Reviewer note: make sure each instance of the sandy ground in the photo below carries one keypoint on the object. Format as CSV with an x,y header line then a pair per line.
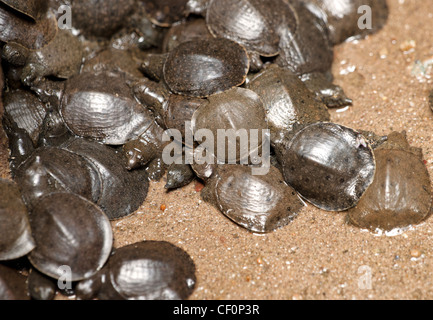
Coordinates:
x,y
318,256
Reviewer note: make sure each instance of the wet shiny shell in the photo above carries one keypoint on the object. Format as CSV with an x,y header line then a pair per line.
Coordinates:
x,y
166,12
69,231
15,235
259,203
30,34
256,24
399,196
101,107
287,101
121,191
189,30
330,165
61,58
309,50
31,8
235,109
26,110
202,68
52,169
152,270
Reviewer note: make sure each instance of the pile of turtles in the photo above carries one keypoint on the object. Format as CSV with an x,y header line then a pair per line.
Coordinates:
x,y
86,111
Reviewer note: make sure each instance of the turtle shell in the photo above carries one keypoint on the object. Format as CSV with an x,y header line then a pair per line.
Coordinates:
x,y
329,165
399,196
204,67
31,8
309,50
259,203
121,191
15,235
102,107
30,34
235,111
69,231
287,101
255,24
147,270
194,29
26,110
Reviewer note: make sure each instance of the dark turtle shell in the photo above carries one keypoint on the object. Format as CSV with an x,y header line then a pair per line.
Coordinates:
x,y
69,231
51,169
32,8
329,165
288,102
102,107
309,50
26,110
148,270
30,34
259,203
15,235
204,67
255,24
164,13
194,29
121,191
400,194
236,111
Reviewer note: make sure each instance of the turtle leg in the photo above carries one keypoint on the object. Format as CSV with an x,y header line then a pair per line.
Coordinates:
x,y
327,92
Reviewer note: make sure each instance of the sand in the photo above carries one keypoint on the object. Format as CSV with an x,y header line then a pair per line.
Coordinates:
x,y
317,256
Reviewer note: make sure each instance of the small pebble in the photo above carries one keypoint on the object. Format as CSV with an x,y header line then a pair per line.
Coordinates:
x,y
163,207
415,253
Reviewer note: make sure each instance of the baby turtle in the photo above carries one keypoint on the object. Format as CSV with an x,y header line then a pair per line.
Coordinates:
x,y
101,106
288,103
147,270
31,8
234,114
118,192
51,169
192,29
309,54
256,24
32,35
15,235
60,58
330,165
69,231
26,110
259,203
400,195
200,68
